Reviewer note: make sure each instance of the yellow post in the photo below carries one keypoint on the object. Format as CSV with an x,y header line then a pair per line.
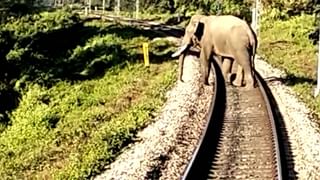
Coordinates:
x,y
146,54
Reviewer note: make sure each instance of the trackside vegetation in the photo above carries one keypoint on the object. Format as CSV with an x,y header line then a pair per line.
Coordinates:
x,y
74,92
81,91
285,43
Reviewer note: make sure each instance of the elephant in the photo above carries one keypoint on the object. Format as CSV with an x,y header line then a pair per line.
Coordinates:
x,y
225,38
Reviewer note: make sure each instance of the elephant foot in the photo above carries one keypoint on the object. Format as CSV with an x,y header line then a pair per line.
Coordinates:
x,y
206,83
227,79
237,83
249,87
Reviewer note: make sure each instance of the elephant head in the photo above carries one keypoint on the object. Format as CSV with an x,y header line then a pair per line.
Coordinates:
x,y
192,38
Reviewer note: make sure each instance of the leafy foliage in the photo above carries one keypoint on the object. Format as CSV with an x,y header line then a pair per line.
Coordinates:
x,y
29,25
14,9
291,7
72,93
49,47
73,130
80,93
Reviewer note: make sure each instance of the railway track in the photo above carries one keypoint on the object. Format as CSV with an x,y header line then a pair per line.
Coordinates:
x,y
240,140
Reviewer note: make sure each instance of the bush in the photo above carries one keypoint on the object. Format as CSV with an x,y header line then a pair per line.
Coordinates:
x,y
23,48
97,54
237,8
32,24
81,100
234,7
291,8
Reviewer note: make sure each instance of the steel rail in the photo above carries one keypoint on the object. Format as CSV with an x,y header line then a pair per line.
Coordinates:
x,y
197,167
267,96
217,107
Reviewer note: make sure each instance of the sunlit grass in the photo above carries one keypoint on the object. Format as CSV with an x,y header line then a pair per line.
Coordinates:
x,y
69,126
73,126
285,44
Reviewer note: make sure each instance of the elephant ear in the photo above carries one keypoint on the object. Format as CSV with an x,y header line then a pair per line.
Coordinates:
x,y
199,27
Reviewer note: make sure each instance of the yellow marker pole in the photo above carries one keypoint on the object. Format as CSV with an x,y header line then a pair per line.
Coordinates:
x,y
146,54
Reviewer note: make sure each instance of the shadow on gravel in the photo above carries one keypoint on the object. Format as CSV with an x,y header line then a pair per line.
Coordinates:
x,y
200,167
286,154
291,80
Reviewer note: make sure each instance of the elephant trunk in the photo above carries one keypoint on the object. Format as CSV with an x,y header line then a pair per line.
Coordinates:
x,y
181,62
181,52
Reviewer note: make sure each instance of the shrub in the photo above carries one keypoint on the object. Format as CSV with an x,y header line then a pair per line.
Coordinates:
x,y
29,25
291,7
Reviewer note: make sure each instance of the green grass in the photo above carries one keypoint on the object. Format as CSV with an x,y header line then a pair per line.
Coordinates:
x,y
285,44
73,130
78,109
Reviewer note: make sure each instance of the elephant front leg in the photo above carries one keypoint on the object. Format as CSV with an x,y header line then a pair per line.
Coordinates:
x,y
205,65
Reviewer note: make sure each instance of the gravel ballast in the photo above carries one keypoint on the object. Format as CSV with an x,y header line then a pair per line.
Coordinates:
x,y
301,129
166,145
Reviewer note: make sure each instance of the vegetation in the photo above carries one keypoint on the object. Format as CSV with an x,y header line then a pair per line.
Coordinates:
x,y
74,93
286,45
81,93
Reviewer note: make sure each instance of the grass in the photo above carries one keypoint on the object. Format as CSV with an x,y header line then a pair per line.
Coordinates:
x,y
285,44
70,121
73,130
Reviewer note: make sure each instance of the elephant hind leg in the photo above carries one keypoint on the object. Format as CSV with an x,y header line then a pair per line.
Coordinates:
x,y
243,58
239,76
226,68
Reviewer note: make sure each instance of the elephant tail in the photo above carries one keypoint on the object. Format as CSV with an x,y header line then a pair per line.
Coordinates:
x,y
254,50
254,44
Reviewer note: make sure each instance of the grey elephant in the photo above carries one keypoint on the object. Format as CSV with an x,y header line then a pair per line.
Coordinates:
x,y
225,38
